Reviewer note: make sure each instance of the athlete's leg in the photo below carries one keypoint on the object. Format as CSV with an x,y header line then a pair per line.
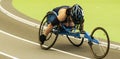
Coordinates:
x,y
48,29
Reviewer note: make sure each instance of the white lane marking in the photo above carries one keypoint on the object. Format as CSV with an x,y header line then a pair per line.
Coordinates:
x,y
18,18
12,57
113,46
39,45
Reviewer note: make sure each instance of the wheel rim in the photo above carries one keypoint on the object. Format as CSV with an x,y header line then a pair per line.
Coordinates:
x,y
100,50
76,42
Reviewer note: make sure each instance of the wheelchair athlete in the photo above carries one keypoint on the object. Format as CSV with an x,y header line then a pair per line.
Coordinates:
x,y
70,16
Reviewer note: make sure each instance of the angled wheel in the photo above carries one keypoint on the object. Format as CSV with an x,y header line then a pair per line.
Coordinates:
x,y
76,42
51,38
100,50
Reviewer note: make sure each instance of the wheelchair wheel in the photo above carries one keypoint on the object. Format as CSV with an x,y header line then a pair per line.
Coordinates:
x,y
76,42
100,50
50,39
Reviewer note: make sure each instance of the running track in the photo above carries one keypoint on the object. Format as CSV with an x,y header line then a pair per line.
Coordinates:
x,y
19,40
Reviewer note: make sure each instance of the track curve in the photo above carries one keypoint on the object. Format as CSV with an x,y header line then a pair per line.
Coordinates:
x,y
24,50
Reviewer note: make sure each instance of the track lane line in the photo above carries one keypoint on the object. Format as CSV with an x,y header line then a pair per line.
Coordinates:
x,y
28,41
12,57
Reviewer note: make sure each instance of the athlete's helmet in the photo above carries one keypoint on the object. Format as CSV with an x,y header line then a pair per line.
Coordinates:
x,y
76,13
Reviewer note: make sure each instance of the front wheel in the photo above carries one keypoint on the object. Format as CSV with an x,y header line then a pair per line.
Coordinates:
x,y
100,50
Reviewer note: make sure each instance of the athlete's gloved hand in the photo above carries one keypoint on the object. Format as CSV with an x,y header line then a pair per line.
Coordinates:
x,y
42,39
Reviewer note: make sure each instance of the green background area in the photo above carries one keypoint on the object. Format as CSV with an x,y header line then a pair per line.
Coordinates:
x,y
103,13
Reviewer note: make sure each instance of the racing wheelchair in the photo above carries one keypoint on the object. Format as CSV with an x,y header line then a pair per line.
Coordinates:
x,y
98,40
